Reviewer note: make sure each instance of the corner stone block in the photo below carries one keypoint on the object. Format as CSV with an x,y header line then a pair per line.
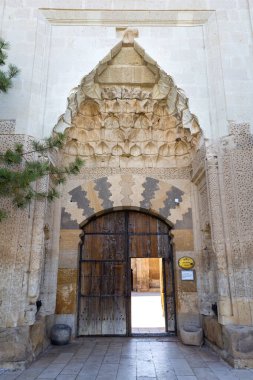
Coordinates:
x,y
15,347
213,331
238,343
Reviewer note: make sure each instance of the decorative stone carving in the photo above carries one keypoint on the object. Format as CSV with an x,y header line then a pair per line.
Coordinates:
x,y
128,108
226,239
7,126
217,223
129,35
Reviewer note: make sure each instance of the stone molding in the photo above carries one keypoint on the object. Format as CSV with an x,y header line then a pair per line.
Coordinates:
x,y
126,17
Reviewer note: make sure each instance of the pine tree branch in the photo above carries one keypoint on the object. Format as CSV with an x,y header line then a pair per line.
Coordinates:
x,y
18,184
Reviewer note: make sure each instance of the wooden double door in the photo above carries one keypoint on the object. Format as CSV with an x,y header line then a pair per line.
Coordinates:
x,y
108,244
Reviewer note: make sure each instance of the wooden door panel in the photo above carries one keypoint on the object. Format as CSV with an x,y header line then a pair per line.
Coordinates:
x,y
120,307
109,223
164,247
149,246
90,278
104,247
162,228
142,223
143,246
108,243
113,311
89,316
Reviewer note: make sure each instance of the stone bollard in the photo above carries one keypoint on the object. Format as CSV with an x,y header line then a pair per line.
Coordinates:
x,y
60,334
191,335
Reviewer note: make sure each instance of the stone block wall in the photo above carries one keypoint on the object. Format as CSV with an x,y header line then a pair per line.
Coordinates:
x,y
25,247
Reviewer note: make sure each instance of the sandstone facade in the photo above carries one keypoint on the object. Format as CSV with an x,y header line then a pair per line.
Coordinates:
x,y
143,149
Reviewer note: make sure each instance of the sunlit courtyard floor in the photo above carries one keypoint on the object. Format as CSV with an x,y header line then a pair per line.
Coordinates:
x,y
146,313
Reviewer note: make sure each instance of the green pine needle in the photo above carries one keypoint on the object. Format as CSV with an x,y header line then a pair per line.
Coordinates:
x,y
12,72
3,215
17,181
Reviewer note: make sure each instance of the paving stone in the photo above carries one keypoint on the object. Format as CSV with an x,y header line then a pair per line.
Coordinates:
x,y
166,374
63,358
242,374
222,376
184,372
129,359
88,376
10,375
204,374
145,368
51,371
72,369
30,374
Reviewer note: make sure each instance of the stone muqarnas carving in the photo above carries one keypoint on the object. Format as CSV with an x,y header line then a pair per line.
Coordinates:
x,y
128,112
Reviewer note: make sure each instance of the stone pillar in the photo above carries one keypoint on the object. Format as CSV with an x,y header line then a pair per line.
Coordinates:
x,y
49,276
218,235
21,247
36,253
207,282
236,171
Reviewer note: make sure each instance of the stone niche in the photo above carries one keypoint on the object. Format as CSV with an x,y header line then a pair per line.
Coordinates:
x,y
132,125
129,113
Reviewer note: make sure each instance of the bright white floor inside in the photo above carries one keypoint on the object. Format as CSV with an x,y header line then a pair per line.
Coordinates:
x,y
146,313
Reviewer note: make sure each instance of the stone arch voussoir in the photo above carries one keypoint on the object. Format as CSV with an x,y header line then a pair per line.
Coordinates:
x,y
115,192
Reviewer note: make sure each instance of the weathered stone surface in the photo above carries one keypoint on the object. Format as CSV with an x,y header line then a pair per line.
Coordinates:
x,y
66,291
15,346
238,341
191,335
183,239
213,331
131,126
38,336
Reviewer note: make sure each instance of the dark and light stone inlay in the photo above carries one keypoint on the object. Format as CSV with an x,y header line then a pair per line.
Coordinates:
x,y
186,222
66,221
169,203
150,187
102,187
80,197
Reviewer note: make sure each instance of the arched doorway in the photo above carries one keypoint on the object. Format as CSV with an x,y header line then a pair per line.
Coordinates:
x,y
109,242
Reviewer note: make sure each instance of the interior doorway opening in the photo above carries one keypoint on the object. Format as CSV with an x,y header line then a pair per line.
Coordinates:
x,y
147,296
109,243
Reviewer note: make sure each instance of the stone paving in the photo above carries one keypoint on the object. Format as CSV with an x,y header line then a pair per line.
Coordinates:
x,y
128,359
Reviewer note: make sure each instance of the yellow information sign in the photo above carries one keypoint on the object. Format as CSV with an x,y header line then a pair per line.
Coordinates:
x,y
186,262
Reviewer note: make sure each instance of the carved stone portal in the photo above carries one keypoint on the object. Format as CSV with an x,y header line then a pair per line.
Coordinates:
x,y
128,113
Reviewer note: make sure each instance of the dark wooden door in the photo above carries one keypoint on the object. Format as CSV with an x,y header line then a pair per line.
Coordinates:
x,y
108,243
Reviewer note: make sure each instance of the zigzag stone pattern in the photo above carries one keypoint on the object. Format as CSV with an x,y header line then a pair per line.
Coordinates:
x,y
116,191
